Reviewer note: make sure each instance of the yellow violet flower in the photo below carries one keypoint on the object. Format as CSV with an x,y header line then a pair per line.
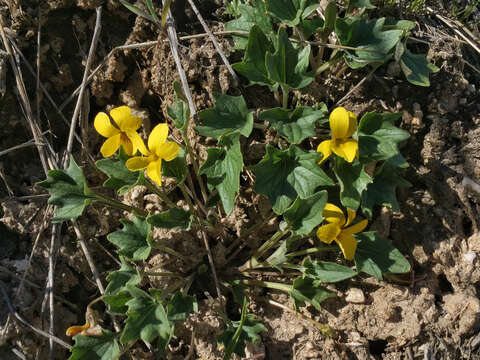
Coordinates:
x,y
123,131
160,149
343,125
337,229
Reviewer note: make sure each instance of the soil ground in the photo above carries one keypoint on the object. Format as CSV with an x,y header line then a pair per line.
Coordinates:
x,y
434,313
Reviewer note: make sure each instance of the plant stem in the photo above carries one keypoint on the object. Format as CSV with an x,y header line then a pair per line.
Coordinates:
x,y
285,92
336,57
268,284
172,252
189,202
118,204
311,251
195,166
153,188
253,261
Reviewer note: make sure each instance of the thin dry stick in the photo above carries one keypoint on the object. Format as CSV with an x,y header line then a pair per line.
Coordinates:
x,y
23,94
45,91
39,32
26,323
212,265
93,46
324,328
214,41
20,146
457,31
57,228
352,90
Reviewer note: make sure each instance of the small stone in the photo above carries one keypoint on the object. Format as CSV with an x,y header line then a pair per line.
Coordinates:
x,y
355,296
469,257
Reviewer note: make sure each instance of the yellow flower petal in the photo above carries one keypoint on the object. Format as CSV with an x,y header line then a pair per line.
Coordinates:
x,y
137,142
103,125
339,123
352,126
355,229
325,148
168,151
74,330
111,145
351,216
347,244
123,118
333,214
157,137
137,163
347,149
154,171
126,144
328,233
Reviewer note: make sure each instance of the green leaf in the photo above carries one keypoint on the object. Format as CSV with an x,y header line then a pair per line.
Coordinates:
x,y
250,16
172,218
288,65
284,175
305,214
376,255
68,192
416,68
116,293
361,4
308,290
230,113
327,272
290,12
330,18
374,43
297,125
119,177
383,189
179,113
146,319
311,26
176,168
404,25
253,64
134,240
180,306
136,10
104,347
250,330
378,138
353,181
223,167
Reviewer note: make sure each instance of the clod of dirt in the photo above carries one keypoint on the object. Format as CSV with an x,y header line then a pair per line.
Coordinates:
x,y
355,296
463,314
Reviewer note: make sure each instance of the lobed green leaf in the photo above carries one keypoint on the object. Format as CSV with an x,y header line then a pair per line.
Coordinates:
x,y
327,272
134,239
284,175
376,255
229,114
172,218
68,192
416,68
297,125
305,214
353,181
104,347
308,290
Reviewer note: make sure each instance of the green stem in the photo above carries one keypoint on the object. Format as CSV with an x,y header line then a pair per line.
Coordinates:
x,y
172,252
333,60
285,92
189,202
253,261
119,205
153,188
311,251
268,284
195,166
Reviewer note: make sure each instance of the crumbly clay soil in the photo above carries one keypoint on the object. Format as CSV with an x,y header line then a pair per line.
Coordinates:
x,y
432,313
